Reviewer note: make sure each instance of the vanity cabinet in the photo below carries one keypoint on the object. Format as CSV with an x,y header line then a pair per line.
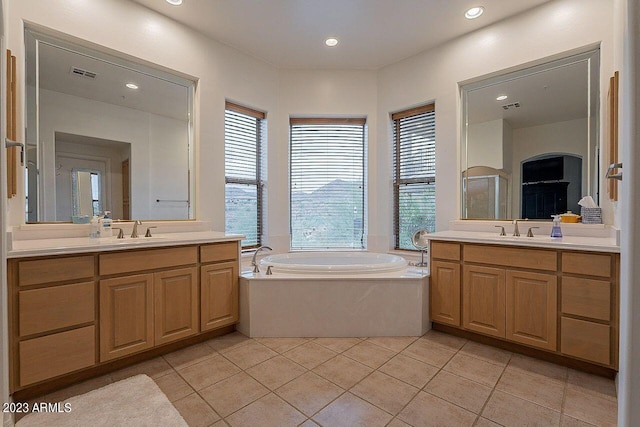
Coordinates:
x,y
218,286
559,301
126,315
140,311
589,309
52,317
444,302
77,312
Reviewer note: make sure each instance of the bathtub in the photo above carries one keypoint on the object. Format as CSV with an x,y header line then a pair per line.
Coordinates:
x,y
334,263
334,294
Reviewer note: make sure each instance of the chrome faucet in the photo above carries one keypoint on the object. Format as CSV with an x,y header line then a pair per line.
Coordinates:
x,y
254,264
516,232
134,233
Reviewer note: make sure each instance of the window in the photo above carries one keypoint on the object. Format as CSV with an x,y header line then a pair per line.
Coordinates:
x,y
244,129
414,173
327,182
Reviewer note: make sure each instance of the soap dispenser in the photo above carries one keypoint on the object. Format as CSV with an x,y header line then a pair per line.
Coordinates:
x,y
105,225
556,231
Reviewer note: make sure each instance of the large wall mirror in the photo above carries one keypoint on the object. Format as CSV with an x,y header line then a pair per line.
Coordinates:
x,y
530,140
104,134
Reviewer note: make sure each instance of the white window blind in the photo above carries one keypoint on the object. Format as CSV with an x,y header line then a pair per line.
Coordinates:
x,y
414,167
327,183
243,155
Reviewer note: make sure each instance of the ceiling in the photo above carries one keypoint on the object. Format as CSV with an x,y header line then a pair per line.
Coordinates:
x,y
371,33
154,95
555,95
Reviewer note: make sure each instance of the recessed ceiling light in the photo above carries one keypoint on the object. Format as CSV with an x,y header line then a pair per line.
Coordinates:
x,y
331,41
501,98
132,86
175,2
474,12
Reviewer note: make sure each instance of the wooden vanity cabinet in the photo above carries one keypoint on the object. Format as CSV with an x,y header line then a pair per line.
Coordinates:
x,y
563,302
141,311
444,295
71,313
52,317
218,286
589,308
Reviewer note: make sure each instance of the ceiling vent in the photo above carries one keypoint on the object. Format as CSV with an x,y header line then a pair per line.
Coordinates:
x,y
511,106
82,73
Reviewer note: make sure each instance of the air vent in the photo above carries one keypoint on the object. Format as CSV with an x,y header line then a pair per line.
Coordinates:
x,y
82,73
511,106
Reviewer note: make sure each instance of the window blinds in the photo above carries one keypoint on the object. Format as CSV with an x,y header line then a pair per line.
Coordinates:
x,y
414,171
327,183
244,130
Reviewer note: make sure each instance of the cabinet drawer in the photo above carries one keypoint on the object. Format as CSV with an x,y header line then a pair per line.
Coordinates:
x,y
55,270
537,259
586,297
442,250
47,309
219,252
132,261
57,354
586,340
587,264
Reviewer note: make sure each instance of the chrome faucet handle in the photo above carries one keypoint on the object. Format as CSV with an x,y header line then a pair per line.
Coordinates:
x,y
269,272
502,232
530,233
120,232
148,233
253,259
516,232
134,233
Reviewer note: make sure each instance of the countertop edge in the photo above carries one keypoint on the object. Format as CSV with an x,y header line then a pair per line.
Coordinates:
x,y
99,248
528,243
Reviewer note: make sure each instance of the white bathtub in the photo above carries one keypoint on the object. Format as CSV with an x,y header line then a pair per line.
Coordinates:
x,y
334,263
319,294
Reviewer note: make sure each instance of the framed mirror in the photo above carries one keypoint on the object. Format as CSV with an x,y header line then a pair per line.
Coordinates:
x,y
530,140
104,133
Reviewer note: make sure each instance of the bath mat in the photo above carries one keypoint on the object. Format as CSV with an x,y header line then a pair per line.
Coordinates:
x,y
135,401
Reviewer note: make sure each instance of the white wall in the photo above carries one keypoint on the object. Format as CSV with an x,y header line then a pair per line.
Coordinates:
x,y
549,30
130,29
319,93
484,145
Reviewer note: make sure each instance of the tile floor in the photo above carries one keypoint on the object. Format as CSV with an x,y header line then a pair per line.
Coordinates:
x,y
433,380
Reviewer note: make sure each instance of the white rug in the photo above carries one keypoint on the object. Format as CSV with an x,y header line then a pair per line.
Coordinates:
x,y
136,401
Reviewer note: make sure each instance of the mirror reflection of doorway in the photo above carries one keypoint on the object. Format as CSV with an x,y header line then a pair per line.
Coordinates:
x,y
89,176
86,192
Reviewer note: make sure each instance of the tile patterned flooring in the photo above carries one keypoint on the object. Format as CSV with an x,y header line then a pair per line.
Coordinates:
x,y
433,380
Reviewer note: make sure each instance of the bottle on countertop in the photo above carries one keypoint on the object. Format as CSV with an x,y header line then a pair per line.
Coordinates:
x,y
105,225
556,231
94,231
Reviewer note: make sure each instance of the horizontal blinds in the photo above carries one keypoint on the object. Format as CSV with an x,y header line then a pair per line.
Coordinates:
x,y
327,185
243,184
414,173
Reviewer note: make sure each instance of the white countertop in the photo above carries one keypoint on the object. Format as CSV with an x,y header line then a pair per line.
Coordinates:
x,y
585,243
69,245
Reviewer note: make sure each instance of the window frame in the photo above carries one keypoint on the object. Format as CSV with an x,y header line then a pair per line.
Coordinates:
x,y
258,182
397,180
319,121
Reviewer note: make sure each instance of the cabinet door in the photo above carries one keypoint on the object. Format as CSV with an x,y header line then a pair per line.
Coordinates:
x,y
126,315
175,294
532,311
219,295
483,300
445,292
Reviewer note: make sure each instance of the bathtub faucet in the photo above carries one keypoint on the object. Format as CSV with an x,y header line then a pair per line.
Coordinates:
x,y
253,260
